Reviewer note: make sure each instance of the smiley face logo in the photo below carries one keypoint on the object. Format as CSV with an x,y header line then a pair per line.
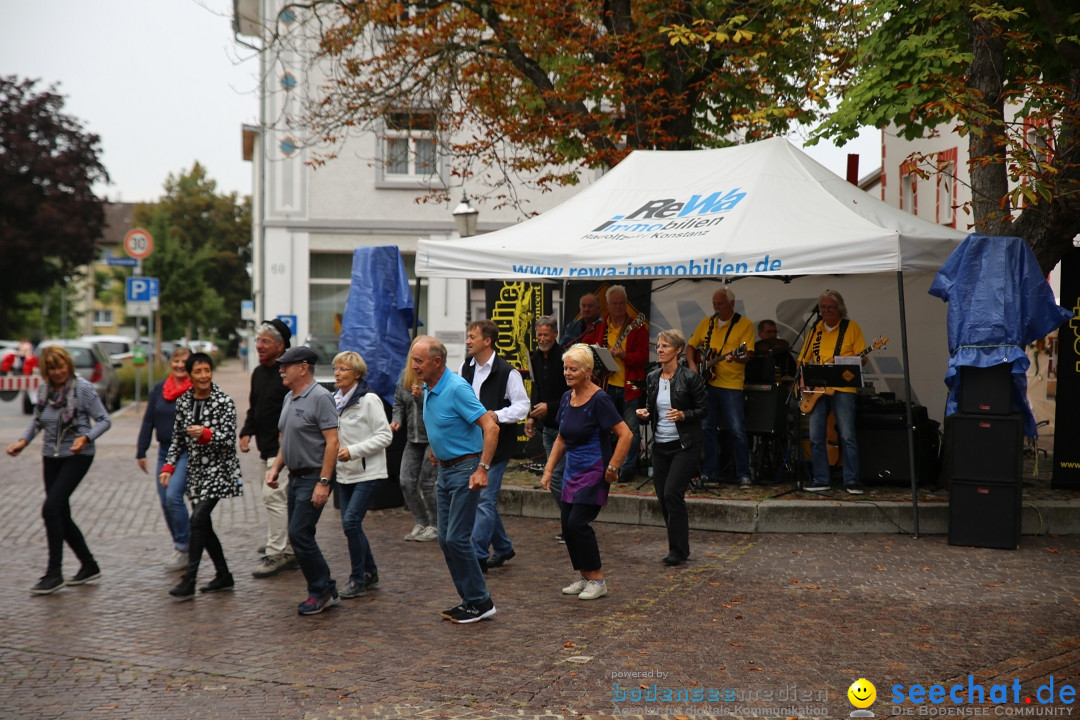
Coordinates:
x,y
862,693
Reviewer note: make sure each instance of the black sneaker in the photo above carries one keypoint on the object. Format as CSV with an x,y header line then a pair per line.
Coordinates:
x,y
855,489
474,613
449,614
218,584
816,488
86,574
371,580
500,560
185,589
48,584
674,559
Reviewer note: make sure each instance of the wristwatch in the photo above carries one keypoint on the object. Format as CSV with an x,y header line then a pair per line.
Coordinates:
x,y
324,481
485,466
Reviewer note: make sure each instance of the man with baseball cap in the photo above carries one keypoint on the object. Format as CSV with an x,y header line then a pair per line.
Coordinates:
x,y
309,445
264,409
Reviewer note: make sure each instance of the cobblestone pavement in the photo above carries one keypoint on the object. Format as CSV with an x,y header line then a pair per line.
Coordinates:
x,y
768,624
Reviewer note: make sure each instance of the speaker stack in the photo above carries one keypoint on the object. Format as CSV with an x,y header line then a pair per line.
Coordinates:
x,y
984,461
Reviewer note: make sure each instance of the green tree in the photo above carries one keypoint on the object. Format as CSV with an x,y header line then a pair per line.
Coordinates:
x,y
543,88
202,250
50,218
958,65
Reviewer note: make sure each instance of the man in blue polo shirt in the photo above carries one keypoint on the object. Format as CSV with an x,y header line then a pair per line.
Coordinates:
x,y
462,435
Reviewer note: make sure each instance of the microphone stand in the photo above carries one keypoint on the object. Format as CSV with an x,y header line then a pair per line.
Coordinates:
x,y
811,319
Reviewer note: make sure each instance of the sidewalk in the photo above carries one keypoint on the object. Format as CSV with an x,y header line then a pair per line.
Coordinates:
x,y
752,619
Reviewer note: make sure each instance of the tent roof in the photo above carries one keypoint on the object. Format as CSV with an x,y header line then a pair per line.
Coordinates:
x,y
763,208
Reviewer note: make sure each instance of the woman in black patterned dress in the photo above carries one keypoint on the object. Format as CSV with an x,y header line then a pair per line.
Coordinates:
x,y
205,428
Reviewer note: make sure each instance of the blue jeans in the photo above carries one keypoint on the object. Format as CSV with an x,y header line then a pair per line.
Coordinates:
x,y
729,404
418,484
457,514
172,500
842,406
628,409
548,437
303,517
488,528
355,499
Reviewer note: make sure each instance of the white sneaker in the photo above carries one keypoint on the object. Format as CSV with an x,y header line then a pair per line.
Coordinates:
x,y
177,561
430,533
594,589
575,587
417,529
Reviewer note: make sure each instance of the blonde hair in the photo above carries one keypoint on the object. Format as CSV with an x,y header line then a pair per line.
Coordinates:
x,y
582,354
674,338
352,360
54,356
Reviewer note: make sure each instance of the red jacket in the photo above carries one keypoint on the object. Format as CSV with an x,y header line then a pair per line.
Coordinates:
x,y
636,345
29,365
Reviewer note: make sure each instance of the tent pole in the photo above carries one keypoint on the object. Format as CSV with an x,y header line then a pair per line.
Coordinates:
x,y
907,404
416,303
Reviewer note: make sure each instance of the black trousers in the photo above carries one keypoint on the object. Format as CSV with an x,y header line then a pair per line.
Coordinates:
x,y
579,535
673,467
62,476
203,537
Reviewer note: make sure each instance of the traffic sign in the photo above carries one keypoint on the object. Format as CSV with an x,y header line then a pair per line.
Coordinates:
x,y
290,322
122,261
138,243
140,289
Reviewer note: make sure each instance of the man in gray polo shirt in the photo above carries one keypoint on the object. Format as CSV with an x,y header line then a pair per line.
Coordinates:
x,y
309,446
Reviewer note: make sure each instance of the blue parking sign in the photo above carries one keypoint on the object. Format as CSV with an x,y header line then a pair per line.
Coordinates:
x,y
290,322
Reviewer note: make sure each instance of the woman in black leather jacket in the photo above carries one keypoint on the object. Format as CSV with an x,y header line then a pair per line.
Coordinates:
x,y
675,405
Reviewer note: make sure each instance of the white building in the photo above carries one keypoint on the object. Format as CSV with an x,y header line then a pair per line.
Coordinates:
x,y
306,221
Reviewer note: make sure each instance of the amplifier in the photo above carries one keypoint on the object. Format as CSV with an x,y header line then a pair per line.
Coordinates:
x,y
883,447
984,514
985,390
984,448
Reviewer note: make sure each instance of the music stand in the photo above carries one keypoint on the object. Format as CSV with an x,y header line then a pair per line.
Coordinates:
x,y
606,358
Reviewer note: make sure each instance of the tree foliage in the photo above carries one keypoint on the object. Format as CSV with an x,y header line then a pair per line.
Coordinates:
x,y
531,92
1006,76
202,250
50,218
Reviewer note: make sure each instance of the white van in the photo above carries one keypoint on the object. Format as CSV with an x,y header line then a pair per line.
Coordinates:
x,y
119,347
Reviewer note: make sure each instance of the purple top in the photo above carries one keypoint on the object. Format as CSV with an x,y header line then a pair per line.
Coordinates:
x,y
586,431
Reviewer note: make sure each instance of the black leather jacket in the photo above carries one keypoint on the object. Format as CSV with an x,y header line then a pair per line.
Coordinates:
x,y
688,395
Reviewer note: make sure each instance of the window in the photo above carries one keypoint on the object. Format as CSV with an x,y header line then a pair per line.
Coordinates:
x,y
331,275
909,198
103,318
946,187
408,146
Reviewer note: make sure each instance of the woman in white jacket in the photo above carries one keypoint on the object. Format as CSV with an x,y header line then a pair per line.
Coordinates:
x,y
363,435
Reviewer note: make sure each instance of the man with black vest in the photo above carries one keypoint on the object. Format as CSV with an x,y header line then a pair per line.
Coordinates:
x,y
500,389
548,387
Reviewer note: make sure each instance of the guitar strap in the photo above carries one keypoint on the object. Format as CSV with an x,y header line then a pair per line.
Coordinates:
x,y
734,319
840,337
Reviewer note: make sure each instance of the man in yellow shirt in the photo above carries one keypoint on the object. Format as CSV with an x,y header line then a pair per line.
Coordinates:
x,y
717,338
833,336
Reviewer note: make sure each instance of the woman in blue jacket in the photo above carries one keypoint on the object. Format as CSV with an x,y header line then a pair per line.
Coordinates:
x,y
158,419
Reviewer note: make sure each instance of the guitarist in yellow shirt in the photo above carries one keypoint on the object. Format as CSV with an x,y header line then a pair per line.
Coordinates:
x,y
721,341
833,336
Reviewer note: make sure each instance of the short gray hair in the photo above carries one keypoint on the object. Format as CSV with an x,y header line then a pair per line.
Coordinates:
x,y
616,289
435,346
727,291
548,321
268,329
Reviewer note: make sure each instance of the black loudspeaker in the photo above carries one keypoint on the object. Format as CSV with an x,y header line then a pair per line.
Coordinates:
x,y
764,408
985,448
883,447
984,514
986,390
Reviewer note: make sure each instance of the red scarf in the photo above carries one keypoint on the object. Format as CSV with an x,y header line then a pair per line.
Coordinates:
x,y
171,390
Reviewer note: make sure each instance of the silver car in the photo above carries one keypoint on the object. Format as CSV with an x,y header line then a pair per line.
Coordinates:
x,y
92,362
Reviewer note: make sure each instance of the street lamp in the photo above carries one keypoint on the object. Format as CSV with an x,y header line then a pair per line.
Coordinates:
x,y
465,217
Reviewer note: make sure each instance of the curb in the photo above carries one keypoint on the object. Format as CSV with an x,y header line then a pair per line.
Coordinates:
x,y
1051,517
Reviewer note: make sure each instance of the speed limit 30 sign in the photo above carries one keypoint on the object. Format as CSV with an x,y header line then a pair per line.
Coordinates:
x,y
138,243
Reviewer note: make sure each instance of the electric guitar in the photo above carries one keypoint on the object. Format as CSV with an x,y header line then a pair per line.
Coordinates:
x,y
637,322
711,357
810,396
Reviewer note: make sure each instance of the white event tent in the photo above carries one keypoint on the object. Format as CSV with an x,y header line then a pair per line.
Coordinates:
x,y
761,209
764,208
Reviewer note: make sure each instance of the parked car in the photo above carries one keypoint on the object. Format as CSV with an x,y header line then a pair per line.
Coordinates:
x,y
93,363
119,347
326,347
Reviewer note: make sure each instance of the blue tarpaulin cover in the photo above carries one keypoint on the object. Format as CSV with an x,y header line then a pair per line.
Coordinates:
x,y
999,303
378,316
